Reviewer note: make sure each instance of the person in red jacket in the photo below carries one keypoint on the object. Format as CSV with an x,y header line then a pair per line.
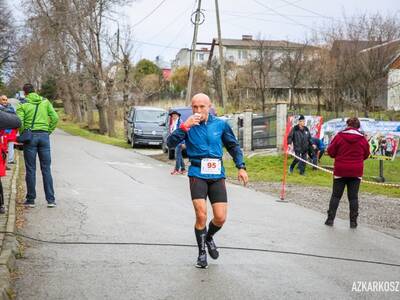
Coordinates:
x,y
349,148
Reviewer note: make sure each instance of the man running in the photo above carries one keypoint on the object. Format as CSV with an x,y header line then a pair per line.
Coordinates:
x,y
204,136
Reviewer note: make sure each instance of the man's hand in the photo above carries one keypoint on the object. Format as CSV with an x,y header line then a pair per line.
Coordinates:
x,y
243,177
314,146
290,148
193,120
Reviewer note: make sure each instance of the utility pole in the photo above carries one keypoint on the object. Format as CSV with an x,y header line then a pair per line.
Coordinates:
x,y
221,60
193,54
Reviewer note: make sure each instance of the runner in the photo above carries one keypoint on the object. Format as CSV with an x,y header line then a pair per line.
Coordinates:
x,y
205,135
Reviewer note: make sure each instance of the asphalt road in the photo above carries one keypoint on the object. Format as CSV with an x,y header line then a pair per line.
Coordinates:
x,y
111,194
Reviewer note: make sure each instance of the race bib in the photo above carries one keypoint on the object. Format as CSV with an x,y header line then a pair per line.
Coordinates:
x,y
211,166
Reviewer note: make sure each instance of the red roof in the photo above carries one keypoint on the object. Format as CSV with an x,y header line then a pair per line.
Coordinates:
x,y
167,74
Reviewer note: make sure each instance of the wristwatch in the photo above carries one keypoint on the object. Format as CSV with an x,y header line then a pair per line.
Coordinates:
x,y
242,167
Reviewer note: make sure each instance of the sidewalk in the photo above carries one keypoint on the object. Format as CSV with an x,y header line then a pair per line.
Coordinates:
x,y
8,243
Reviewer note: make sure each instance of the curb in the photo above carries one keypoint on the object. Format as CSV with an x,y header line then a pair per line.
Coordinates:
x,y
9,247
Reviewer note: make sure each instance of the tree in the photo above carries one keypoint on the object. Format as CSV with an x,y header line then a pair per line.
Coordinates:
x,y
49,89
260,69
292,65
146,67
7,36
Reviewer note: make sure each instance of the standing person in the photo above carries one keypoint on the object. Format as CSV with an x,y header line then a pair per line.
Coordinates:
x,y
349,148
300,137
179,162
205,136
7,120
3,164
11,134
39,112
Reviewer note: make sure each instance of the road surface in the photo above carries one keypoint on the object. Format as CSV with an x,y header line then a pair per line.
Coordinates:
x,y
110,194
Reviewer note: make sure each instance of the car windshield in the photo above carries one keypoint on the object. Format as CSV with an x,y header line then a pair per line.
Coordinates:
x,y
150,116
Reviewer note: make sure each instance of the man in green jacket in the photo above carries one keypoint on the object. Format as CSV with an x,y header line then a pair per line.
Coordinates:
x,y
45,122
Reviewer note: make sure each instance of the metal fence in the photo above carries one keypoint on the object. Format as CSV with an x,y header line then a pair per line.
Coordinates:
x,y
263,132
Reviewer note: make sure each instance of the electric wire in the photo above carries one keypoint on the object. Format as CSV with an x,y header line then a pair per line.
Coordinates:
x,y
356,260
149,14
282,15
305,9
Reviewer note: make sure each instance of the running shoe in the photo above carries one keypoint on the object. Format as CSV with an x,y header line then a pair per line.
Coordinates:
x,y
202,261
51,204
28,203
175,172
212,248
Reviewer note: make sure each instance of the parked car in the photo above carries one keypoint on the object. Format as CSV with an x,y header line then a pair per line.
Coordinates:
x,y
185,112
145,126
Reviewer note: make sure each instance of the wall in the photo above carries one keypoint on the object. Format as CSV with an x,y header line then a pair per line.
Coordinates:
x,y
394,90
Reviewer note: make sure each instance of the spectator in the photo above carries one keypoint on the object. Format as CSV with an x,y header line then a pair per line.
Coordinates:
x,y
7,120
10,134
38,115
318,150
300,137
349,148
179,162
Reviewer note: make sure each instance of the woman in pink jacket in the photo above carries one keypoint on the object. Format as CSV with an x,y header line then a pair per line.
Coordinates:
x,y
349,148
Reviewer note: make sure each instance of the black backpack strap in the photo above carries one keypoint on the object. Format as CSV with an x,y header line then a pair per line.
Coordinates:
x,y
34,116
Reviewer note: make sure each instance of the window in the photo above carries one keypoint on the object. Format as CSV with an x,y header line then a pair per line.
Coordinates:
x,y
243,54
150,116
200,56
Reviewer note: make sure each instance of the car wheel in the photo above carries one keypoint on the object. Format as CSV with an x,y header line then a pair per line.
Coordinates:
x,y
133,142
171,154
164,147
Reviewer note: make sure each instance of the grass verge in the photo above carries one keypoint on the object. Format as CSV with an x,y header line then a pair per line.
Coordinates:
x,y
270,169
83,131
267,168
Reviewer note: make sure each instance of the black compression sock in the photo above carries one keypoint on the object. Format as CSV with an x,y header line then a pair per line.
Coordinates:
x,y
201,239
212,229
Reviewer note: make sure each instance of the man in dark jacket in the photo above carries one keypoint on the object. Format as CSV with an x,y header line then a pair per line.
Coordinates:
x,y
300,137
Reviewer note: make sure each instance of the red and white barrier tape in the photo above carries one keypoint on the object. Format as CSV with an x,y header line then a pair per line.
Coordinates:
x,y
331,172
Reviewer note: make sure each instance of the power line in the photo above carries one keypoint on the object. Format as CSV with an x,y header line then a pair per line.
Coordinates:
x,y
174,20
149,14
282,15
179,32
248,14
305,9
156,45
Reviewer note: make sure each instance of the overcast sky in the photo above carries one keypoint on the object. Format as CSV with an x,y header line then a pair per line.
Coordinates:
x,y
169,27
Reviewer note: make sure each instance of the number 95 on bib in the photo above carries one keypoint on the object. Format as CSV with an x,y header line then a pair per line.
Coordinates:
x,y
211,166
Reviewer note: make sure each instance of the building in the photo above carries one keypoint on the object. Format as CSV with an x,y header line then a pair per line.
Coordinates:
x,y
183,57
240,51
393,95
384,55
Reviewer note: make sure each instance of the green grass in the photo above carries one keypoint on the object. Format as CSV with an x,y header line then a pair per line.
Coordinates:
x,y
82,131
270,169
266,168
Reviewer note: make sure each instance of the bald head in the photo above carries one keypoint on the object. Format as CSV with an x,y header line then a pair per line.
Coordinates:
x,y
201,104
201,97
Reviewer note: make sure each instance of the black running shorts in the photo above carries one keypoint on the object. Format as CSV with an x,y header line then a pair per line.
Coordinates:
x,y
215,189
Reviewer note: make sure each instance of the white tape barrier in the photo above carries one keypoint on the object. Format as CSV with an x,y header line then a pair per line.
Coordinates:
x,y
331,172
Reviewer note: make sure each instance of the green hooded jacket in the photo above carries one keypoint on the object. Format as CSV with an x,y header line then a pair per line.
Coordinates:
x,y
46,117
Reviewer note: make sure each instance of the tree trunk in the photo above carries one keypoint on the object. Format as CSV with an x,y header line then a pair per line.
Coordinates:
x,y
111,111
102,114
102,119
291,98
78,111
318,102
67,106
